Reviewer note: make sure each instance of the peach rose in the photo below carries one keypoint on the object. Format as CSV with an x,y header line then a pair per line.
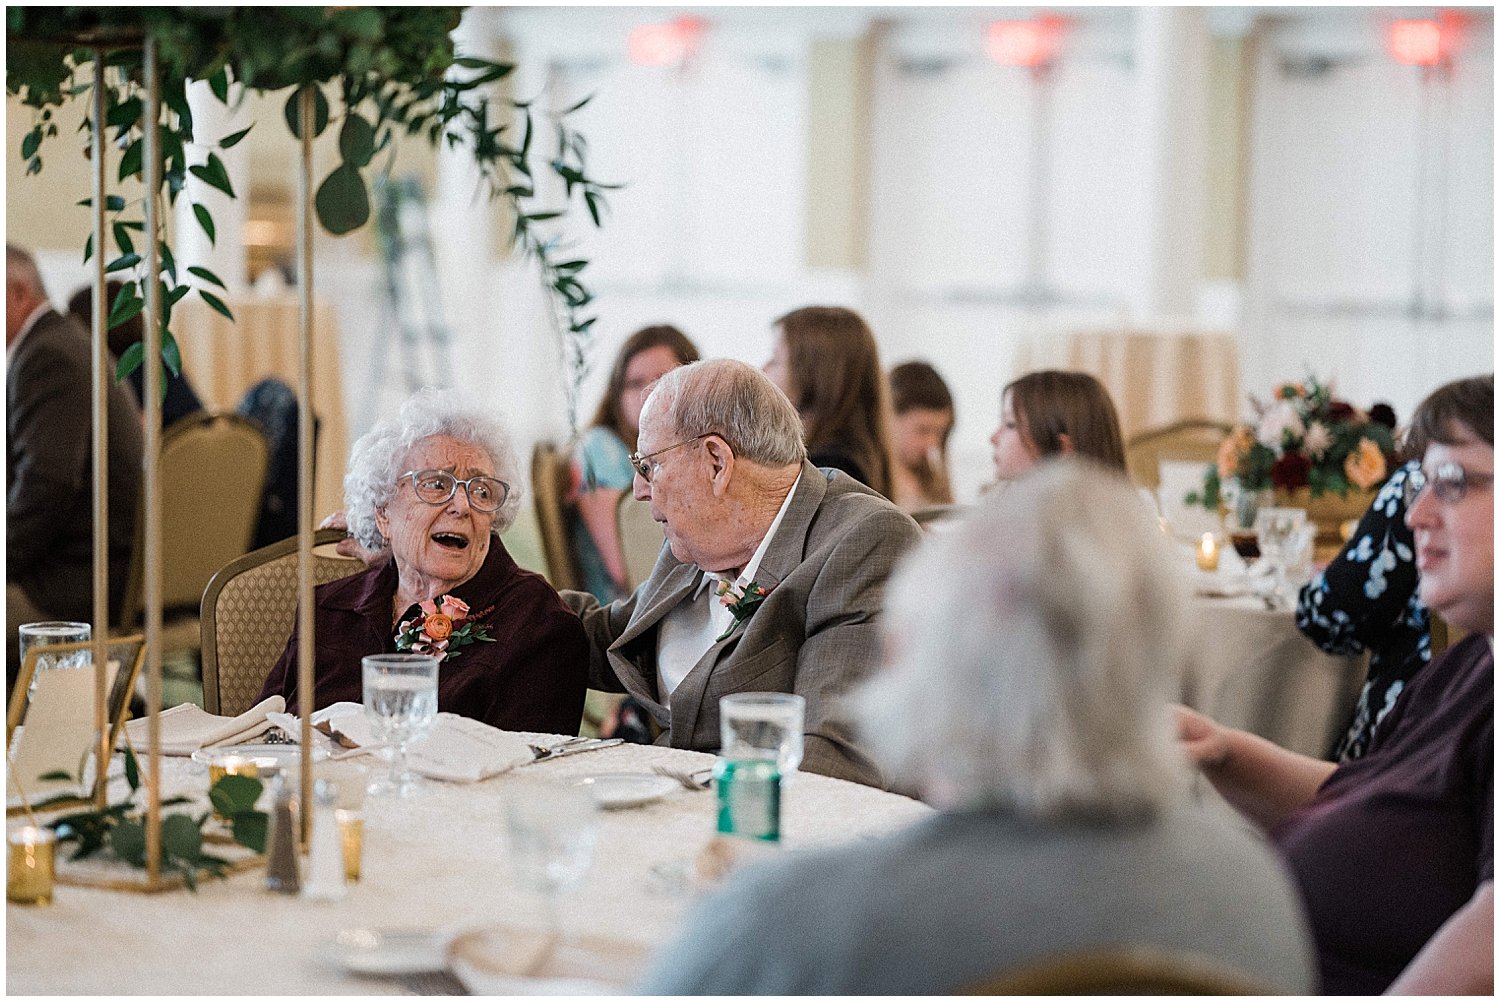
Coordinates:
x,y
438,626
1365,465
1232,451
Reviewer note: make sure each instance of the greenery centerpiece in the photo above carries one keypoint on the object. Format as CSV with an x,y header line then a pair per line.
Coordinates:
x,y
119,830
377,74
1303,445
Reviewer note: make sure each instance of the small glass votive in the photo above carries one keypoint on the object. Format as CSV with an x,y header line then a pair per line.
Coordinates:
x,y
33,852
1207,552
230,763
352,836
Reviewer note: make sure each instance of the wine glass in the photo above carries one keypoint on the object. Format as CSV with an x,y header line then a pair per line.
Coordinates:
x,y
1277,530
400,702
552,838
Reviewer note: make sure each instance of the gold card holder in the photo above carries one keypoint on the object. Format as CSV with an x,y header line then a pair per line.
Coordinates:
x,y
59,732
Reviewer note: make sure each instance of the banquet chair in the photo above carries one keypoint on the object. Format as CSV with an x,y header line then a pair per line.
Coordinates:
x,y
1194,440
213,472
248,612
1121,970
549,486
640,537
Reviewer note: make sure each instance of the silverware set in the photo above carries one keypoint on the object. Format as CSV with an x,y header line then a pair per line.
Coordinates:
x,y
698,779
572,746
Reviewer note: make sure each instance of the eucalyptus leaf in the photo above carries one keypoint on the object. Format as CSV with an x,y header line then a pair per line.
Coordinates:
x,y
250,829
206,275
180,837
130,360
122,239
234,137
132,770
130,163
293,112
122,262
171,356
206,221
215,303
357,141
128,841
342,201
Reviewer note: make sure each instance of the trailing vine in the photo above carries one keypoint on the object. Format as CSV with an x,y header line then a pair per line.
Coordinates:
x,y
392,72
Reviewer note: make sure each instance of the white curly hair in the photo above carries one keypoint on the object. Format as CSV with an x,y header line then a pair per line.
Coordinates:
x,y
370,481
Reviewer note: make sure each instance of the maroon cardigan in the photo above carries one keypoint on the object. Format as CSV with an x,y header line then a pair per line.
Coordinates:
x,y
532,678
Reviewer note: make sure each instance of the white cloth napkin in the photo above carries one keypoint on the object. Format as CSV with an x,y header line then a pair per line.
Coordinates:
x,y
185,728
456,749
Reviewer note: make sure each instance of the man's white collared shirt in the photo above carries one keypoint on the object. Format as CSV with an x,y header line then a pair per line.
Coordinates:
x,y
696,623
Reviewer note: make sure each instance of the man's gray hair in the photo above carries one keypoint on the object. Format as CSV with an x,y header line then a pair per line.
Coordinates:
x,y
21,269
370,481
738,403
1032,653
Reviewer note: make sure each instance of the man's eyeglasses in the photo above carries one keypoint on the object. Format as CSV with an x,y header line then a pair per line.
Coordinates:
x,y
643,464
438,487
1450,482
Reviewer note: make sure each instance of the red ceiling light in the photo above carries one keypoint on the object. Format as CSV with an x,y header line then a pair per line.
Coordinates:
x,y
667,44
1427,42
1025,43
1416,43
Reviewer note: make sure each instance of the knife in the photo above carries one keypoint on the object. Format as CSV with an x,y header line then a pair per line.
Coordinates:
x,y
582,746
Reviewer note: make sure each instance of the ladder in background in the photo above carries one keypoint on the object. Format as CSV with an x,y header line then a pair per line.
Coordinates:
x,y
412,307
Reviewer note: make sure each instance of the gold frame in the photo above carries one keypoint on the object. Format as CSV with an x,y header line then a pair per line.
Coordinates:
x,y
117,703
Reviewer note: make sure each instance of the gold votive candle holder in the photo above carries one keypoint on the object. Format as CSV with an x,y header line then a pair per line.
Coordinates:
x,y
352,837
230,764
33,861
1207,552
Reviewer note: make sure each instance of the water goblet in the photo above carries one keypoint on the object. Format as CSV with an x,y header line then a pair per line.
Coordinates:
x,y
48,634
552,838
400,693
1277,530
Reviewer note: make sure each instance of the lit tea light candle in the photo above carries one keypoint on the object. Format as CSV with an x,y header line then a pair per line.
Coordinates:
x,y
352,837
1208,553
231,764
33,852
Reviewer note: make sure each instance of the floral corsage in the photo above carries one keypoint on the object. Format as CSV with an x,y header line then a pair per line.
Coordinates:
x,y
741,601
441,628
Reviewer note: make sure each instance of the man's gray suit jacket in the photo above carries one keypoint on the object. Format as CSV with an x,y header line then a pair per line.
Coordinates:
x,y
816,633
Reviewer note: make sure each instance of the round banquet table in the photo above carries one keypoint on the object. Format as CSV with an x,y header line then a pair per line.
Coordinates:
x,y
437,861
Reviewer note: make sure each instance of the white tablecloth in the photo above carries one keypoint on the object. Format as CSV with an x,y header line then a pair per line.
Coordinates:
x,y
441,860
1255,671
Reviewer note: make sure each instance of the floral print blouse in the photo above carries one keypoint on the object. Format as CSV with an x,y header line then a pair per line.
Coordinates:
x,y
1366,599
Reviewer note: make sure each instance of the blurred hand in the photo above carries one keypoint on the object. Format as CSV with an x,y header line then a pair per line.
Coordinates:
x,y
349,546
1202,738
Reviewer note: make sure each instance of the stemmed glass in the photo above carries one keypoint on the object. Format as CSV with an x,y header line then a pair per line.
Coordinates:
x,y
1277,530
400,702
552,839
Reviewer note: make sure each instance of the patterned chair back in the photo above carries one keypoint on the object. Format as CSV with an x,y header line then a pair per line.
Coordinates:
x,y
248,612
1196,440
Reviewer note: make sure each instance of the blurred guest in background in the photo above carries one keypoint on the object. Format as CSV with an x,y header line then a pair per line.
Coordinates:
x,y
1054,413
1366,598
1030,655
49,513
827,364
601,463
920,427
180,401
433,487
1394,851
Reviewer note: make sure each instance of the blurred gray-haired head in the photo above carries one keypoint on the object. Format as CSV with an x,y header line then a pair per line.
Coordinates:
x,y
370,480
738,403
1032,651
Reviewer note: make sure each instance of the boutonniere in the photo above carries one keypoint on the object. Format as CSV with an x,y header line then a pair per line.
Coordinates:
x,y
441,628
741,601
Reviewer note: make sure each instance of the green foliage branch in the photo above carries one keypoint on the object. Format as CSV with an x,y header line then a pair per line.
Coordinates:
x,y
119,830
393,72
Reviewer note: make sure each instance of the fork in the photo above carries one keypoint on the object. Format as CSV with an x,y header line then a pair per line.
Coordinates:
x,y
689,780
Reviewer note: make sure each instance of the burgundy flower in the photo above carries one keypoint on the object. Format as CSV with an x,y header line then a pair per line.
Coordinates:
x,y
1385,414
1339,411
1290,471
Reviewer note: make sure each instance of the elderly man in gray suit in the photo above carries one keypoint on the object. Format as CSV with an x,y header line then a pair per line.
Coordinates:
x,y
722,464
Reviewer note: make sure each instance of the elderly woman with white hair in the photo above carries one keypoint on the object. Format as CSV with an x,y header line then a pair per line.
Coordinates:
x,y
434,486
1031,654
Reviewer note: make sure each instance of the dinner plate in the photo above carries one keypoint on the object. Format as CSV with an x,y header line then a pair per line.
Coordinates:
x,y
389,951
265,756
616,790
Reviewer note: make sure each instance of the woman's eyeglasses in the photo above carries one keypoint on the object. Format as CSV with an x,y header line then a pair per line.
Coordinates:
x,y
438,487
1450,482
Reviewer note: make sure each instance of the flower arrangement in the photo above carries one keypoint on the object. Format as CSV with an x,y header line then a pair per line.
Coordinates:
x,y
741,601
442,628
1304,437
